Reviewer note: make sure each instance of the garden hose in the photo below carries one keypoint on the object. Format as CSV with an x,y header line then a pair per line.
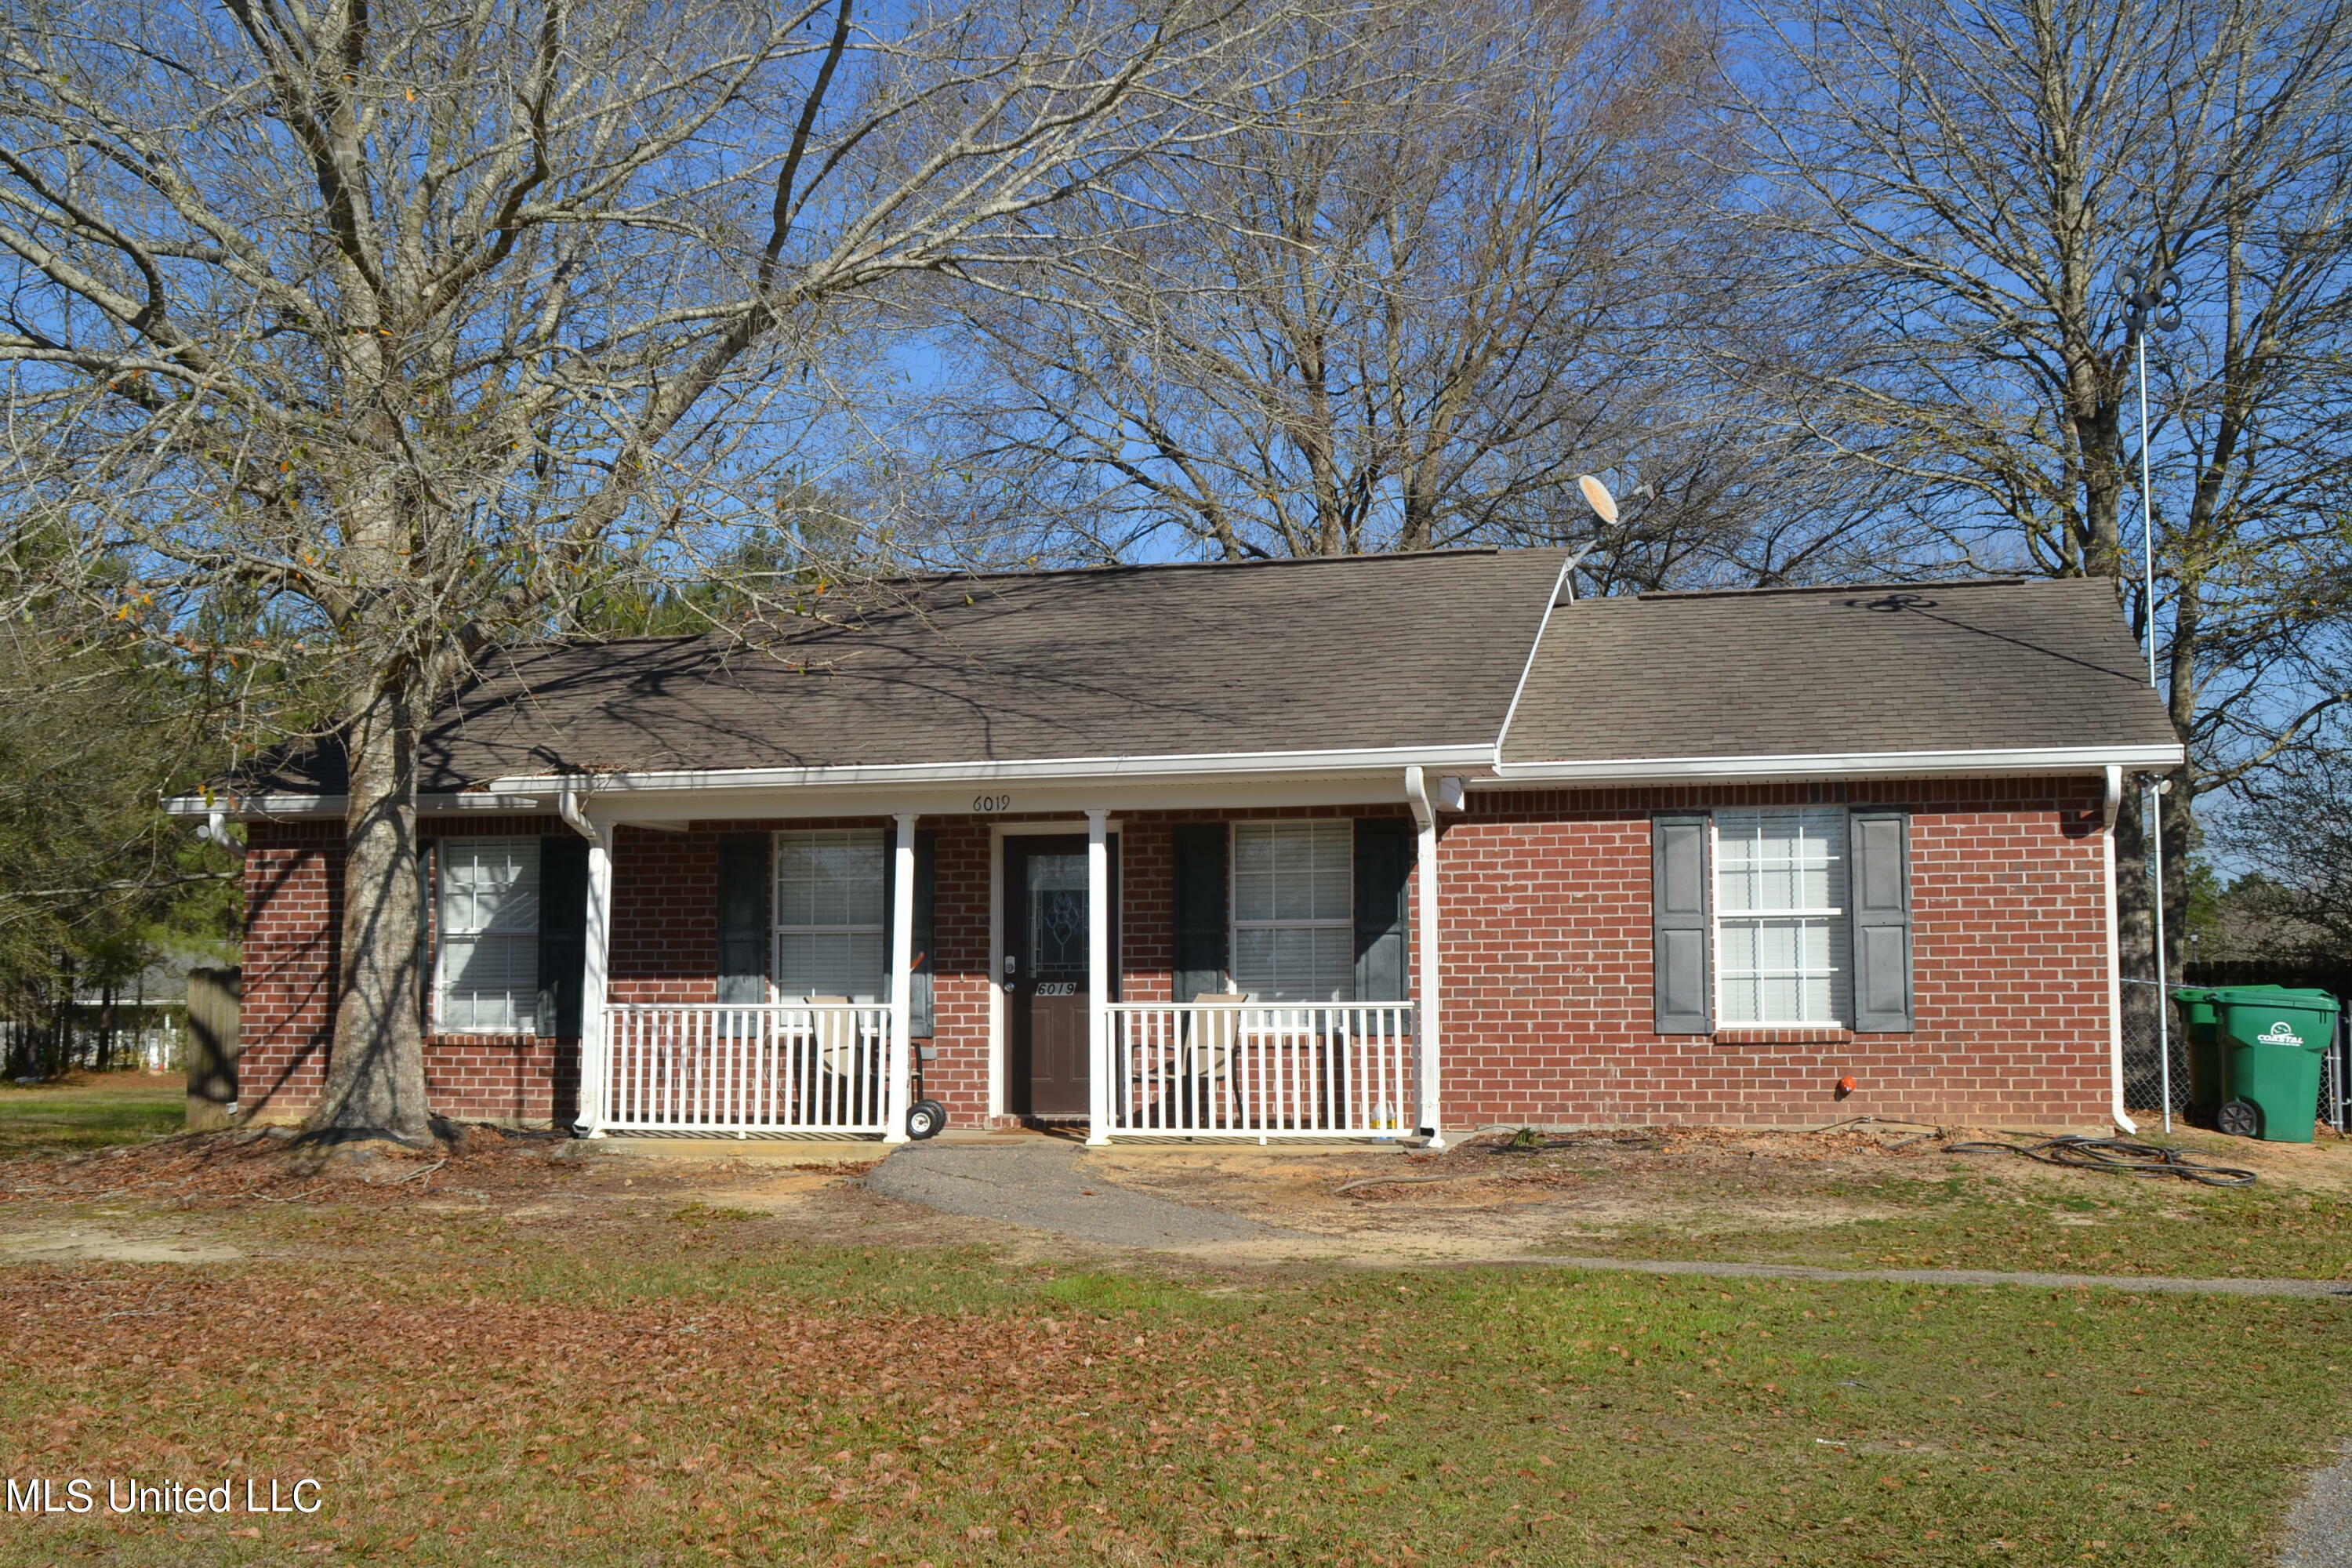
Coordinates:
x,y
2125,1156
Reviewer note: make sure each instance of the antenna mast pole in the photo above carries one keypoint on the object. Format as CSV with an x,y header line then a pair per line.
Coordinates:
x,y
2145,303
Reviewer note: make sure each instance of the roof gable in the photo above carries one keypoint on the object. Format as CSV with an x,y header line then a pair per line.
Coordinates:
x,y
1938,667
1361,652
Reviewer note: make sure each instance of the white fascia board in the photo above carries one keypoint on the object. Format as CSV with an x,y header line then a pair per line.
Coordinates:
x,y
1058,770
264,807
1277,778
1025,800
1848,764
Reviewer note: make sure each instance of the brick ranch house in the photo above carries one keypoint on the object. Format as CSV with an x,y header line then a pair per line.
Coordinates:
x,y
1370,847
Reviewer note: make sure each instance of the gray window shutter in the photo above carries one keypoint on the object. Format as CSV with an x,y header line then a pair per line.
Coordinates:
x,y
743,894
562,933
428,926
1202,910
1383,861
1681,931
919,994
1880,845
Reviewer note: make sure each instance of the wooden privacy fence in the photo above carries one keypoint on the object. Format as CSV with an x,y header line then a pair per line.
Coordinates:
x,y
213,995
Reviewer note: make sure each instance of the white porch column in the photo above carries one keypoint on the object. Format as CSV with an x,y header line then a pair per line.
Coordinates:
x,y
595,1034
1098,1084
901,1096
1426,1033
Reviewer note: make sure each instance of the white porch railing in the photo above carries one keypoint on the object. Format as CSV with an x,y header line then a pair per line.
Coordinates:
x,y
716,1067
1232,1068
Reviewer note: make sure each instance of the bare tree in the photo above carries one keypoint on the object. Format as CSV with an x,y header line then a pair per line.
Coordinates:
x,y
1405,320
408,325
2294,831
1965,183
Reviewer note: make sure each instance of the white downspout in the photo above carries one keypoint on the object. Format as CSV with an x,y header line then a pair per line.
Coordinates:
x,y
1098,1084
900,1098
2108,808
1425,1015
594,1045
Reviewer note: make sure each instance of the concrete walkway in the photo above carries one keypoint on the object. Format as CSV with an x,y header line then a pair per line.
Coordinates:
x,y
2319,1525
1035,1183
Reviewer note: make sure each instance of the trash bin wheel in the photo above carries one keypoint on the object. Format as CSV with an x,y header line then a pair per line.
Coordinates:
x,y
925,1118
2239,1118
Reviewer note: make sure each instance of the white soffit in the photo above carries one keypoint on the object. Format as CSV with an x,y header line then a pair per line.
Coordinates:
x,y
1061,769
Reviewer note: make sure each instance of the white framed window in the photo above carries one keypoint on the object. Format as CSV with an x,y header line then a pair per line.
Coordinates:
x,y
1782,940
831,937
1295,911
486,975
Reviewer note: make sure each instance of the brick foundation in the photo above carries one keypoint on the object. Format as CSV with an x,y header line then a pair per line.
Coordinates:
x,y
1544,921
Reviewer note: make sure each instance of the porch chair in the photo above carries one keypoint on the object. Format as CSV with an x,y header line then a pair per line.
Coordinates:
x,y
1211,1035
842,1083
1298,1061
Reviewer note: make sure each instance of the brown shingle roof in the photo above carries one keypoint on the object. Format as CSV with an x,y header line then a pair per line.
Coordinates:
x,y
1358,652
1783,672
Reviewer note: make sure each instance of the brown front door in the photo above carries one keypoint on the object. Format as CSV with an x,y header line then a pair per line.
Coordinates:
x,y
1047,987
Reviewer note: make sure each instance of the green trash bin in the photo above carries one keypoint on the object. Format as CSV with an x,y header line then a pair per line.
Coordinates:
x,y
2208,1085
2267,1045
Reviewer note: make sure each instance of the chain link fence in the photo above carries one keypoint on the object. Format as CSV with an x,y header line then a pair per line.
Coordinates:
x,y
2144,1071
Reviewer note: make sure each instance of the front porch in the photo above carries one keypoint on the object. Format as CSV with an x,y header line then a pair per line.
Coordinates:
x,y
1035,972
1226,1068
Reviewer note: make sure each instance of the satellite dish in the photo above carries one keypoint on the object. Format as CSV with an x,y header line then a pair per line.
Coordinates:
x,y
1597,496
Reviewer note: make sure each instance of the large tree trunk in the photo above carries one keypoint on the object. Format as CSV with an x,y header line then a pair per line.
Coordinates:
x,y
375,1075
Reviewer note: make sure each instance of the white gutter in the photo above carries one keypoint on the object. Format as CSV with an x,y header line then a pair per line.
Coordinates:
x,y
2024,759
567,806
1426,1038
595,967
2108,807
523,792
244,807
1212,764
529,792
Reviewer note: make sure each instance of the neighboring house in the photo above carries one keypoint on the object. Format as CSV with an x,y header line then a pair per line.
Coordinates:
x,y
1354,846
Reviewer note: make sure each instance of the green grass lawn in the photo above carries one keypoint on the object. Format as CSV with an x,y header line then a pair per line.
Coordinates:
x,y
1958,1217
49,1118
699,1385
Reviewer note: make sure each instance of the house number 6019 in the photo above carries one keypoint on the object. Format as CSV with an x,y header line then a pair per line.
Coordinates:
x,y
992,802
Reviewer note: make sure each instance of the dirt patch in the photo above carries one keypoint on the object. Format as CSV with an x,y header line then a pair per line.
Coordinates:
x,y
1642,1193
221,1198
1792,1193
1479,1201
76,1243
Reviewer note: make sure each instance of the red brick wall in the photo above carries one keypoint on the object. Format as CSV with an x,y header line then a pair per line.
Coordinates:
x,y
1545,916
293,913
293,903
961,998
